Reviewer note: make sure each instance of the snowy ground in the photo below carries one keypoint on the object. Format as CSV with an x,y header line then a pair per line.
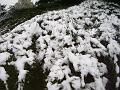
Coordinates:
x,y
79,47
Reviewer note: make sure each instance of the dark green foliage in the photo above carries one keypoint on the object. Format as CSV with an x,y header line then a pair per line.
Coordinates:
x,y
33,46
2,85
2,10
13,77
35,78
111,75
60,1
104,42
74,73
89,78
118,62
12,72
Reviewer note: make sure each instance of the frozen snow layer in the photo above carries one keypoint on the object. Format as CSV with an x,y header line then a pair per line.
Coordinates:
x,y
79,47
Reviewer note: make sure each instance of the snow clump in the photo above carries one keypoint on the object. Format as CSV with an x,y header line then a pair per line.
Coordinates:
x,y
76,46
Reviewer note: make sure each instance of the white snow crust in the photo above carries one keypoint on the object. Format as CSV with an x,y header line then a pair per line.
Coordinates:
x,y
69,43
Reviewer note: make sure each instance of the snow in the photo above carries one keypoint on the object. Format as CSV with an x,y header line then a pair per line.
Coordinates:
x,y
4,57
20,64
10,3
34,1
4,76
118,82
70,43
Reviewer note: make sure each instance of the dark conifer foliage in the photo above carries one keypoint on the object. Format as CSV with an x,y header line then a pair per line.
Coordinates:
x,y
72,1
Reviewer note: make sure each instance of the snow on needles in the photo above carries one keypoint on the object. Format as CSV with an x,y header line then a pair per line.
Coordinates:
x,y
76,46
